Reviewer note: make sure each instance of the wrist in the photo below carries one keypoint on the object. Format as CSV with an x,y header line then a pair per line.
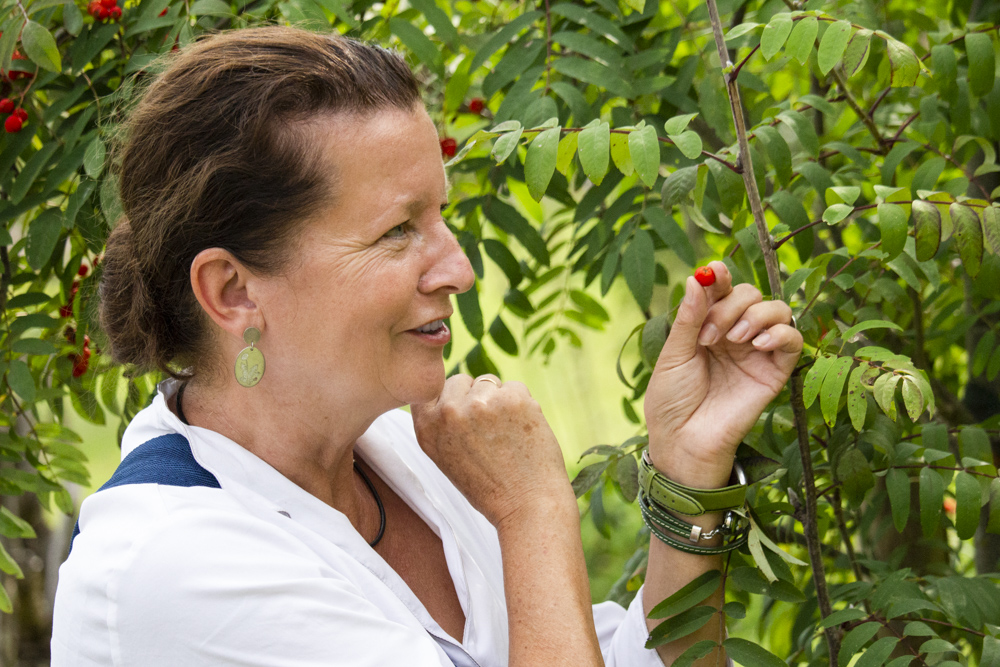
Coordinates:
x,y
686,467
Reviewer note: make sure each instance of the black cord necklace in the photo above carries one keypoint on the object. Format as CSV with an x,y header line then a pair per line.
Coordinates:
x,y
368,482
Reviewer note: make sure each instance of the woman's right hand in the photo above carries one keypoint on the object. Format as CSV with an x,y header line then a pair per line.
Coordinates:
x,y
495,446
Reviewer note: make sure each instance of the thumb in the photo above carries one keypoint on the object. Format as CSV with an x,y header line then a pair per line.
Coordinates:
x,y
682,343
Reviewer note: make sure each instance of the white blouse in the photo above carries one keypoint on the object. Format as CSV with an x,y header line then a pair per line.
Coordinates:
x,y
260,573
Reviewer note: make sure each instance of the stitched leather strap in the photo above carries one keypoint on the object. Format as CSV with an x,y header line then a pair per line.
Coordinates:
x,y
684,499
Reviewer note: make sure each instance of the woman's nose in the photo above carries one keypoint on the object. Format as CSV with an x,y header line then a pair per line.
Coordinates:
x,y
451,270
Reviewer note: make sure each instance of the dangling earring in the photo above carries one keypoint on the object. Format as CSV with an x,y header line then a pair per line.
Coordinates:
x,y
250,361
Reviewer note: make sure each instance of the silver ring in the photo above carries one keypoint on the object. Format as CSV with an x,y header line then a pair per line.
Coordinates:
x,y
484,378
794,325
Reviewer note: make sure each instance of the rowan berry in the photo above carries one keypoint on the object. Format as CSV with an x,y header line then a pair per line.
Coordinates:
x,y
108,3
13,124
6,105
103,12
80,364
82,271
116,13
476,105
448,147
94,8
22,114
705,276
66,310
164,12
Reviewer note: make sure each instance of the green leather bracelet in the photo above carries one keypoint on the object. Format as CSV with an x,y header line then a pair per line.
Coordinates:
x,y
686,500
683,536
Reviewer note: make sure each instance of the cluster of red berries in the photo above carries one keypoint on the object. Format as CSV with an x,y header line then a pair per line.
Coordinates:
x,y
17,118
15,74
80,361
104,9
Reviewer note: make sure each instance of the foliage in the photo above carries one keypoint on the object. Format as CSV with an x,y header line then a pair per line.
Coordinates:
x,y
606,150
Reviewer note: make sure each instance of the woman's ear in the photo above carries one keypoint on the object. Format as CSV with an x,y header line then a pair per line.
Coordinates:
x,y
219,282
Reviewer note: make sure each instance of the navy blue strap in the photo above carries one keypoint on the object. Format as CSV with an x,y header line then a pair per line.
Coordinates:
x,y
164,460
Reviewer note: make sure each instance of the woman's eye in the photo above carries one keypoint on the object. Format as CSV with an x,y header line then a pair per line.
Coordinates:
x,y
396,232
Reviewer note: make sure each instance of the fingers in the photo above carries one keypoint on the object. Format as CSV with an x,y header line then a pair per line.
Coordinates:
x,y
786,344
742,316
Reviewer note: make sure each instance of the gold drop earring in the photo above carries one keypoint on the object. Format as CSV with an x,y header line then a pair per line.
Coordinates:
x,y
250,361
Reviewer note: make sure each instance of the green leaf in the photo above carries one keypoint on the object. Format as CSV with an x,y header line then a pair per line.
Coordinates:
x,y
472,314
678,186
993,524
885,392
72,18
904,64
696,651
931,500
855,639
12,525
775,33
505,144
540,163
690,595
42,237
588,476
680,625
637,5
897,482
5,604
857,403
503,37
653,337
594,150
982,63
877,653
843,616
814,378
968,236
567,149
967,498
670,233
741,29
833,45
927,228
893,227
639,267
644,147
9,565
620,153
855,473
857,51
678,124
20,380
801,40
214,7
833,387
991,228
689,143
913,399
749,654
40,46
627,475
93,159
502,336
836,213
869,324
991,652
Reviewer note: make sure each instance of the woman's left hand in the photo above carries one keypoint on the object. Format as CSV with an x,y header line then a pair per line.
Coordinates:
x,y
707,391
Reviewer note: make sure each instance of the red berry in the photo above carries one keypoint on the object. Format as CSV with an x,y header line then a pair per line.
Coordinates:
x,y
476,104
116,13
80,364
12,124
448,147
17,55
22,114
82,271
103,12
163,13
94,8
6,105
108,3
705,276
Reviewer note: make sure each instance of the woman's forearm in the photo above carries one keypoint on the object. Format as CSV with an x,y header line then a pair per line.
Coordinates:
x,y
545,581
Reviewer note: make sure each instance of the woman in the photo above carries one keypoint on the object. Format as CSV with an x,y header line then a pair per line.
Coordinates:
x,y
282,241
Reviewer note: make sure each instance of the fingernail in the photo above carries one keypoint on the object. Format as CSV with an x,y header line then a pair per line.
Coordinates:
x,y
737,333
708,334
762,340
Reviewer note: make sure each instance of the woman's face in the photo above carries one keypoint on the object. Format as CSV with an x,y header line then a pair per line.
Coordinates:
x,y
360,305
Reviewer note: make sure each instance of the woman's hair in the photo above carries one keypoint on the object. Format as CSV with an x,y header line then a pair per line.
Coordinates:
x,y
218,153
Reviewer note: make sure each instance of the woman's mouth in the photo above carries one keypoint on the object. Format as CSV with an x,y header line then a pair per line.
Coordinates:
x,y
435,333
